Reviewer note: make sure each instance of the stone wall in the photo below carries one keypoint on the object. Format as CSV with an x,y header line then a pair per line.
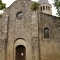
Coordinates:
x,y
3,36
22,29
29,32
50,47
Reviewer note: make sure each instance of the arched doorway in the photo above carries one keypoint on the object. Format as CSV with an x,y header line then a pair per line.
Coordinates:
x,y
20,52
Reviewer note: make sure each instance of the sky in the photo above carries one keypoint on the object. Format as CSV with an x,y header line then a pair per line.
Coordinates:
x,y
9,2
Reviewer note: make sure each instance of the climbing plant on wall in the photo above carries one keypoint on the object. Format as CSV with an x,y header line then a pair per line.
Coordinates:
x,y
34,6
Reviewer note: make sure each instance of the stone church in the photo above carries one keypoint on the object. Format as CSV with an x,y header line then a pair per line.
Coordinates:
x,y
29,35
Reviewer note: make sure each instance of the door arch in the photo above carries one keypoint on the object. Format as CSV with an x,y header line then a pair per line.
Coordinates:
x,y
20,52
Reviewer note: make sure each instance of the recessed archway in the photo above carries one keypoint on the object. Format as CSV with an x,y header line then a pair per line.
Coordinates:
x,y
20,47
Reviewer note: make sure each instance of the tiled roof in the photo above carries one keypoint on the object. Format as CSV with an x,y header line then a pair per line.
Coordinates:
x,y
43,1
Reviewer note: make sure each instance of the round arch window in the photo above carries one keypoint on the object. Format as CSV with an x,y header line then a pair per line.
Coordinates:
x,y
19,15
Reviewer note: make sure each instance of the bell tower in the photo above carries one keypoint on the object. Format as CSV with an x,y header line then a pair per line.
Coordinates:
x,y
45,7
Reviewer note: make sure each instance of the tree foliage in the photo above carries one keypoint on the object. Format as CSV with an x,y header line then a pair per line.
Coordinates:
x,y
34,6
57,5
2,5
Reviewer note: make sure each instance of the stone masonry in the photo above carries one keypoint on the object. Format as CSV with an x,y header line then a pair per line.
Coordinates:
x,y
29,32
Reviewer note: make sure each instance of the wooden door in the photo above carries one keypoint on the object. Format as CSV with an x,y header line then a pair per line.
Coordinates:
x,y
20,52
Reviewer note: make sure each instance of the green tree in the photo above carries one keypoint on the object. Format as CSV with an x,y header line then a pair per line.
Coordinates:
x,y
2,5
34,6
57,5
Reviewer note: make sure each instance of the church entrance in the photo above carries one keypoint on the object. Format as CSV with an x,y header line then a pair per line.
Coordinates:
x,y
20,52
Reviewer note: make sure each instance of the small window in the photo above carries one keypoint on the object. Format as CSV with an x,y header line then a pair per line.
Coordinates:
x,y
46,7
43,7
46,33
19,15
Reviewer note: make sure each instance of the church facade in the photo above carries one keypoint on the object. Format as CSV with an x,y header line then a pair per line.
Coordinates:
x,y
29,35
